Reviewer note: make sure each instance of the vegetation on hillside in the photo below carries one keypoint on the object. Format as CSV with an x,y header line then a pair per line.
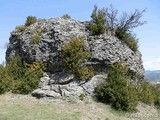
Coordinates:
x,y
21,28
149,93
74,56
5,80
29,21
118,90
107,19
98,22
20,77
66,16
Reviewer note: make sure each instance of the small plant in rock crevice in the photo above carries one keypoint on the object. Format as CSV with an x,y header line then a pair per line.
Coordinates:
x,y
35,39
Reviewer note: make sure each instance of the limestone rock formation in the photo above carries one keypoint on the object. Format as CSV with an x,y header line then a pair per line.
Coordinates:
x,y
53,34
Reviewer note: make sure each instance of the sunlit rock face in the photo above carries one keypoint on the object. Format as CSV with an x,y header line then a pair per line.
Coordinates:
x,y
53,34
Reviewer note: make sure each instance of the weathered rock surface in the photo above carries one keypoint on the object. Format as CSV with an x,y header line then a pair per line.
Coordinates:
x,y
71,89
54,33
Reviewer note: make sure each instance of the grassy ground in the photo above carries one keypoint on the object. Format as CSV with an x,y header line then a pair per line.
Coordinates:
x,y
25,107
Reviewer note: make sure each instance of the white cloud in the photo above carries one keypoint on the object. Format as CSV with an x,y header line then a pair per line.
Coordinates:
x,y
152,65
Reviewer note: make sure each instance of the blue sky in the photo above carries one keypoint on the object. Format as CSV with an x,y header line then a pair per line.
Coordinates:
x,y
14,13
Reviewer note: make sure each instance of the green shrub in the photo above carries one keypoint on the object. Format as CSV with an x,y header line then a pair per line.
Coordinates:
x,y
2,82
30,80
82,96
21,28
150,94
30,20
83,73
16,67
74,55
107,119
121,27
128,38
2,86
5,80
98,22
35,39
21,87
66,16
147,92
118,90
20,77
157,99
25,76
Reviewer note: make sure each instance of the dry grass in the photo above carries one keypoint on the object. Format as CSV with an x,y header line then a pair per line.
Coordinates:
x,y
26,107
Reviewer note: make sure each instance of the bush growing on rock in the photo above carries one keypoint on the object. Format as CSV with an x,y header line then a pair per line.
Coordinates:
x,y
118,90
66,16
74,55
129,39
21,28
30,20
97,25
120,27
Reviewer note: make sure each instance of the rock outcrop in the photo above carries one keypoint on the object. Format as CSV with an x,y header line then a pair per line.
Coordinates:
x,y
54,33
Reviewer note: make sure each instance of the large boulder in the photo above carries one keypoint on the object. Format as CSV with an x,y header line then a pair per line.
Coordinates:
x,y
53,34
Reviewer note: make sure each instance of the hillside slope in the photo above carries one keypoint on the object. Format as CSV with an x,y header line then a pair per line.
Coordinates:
x,y
25,107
